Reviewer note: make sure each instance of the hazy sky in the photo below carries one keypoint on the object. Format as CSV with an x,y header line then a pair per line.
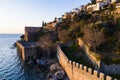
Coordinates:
x,y
16,14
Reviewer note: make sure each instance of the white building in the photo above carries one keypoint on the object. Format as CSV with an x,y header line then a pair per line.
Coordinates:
x,y
65,15
90,7
76,10
108,1
59,20
99,6
99,0
114,1
118,5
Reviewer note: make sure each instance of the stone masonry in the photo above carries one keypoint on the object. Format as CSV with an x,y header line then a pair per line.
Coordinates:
x,y
76,71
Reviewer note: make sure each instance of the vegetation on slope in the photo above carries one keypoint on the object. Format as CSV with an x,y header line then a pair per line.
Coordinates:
x,y
100,30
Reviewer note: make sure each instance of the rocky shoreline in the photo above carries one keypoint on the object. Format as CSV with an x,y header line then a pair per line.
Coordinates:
x,y
46,69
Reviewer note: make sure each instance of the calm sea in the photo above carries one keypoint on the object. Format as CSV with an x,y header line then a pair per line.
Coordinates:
x,y
11,67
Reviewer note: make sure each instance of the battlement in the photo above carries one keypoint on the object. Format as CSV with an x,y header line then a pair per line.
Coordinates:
x,y
32,29
76,71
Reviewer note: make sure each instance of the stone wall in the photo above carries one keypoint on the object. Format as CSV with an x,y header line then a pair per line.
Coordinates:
x,y
89,54
76,71
21,50
26,52
32,29
34,50
108,69
30,33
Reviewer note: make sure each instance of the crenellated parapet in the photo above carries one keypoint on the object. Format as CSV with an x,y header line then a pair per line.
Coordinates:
x,y
76,71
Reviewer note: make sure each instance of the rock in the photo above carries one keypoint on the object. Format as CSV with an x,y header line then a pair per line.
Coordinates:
x,y
57,71
42,62
60,74
51,77
55,67
30,62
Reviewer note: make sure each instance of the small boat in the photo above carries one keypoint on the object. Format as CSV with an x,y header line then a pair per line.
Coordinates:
x,y
12,47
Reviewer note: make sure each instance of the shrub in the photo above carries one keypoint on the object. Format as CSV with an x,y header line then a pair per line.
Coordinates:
x,y
109,60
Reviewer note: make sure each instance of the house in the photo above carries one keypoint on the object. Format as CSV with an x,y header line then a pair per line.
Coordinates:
x,y
59,20
118,5
114,1
99,1
106,1
50,26
67,14
90,7
98,6
76,10
30,33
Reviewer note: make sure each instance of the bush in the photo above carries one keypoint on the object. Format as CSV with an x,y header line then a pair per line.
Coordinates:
x,y
108,60
79,34
117,48
71,54
86,17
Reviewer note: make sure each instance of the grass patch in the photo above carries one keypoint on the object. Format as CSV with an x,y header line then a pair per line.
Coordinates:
x,y
109,61
115,76
71,53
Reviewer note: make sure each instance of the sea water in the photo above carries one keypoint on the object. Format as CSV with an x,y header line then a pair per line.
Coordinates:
x,y
11,66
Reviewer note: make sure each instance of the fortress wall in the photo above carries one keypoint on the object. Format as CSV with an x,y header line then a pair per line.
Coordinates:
x,y
21,50
76,71
108,69
92,58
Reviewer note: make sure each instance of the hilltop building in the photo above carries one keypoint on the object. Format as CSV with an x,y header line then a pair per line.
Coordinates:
x,y
107,1
50,26
76,10
99,5
114,1
66,15
118,5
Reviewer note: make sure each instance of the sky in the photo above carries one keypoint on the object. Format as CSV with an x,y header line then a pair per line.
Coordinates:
x,y
16,14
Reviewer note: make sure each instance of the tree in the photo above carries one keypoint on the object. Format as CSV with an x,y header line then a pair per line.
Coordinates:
x,y
63,35
93,37
43,23
112,8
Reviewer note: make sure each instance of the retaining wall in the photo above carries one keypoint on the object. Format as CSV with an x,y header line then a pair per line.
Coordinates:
x,y
95,62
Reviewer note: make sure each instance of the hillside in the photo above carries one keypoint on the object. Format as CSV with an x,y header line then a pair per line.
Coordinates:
x,y
100,30
97,29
